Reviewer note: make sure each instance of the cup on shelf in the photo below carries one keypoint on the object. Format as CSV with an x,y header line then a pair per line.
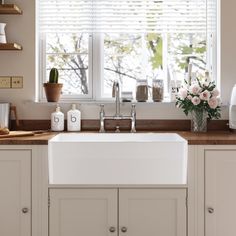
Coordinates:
x,y
2,33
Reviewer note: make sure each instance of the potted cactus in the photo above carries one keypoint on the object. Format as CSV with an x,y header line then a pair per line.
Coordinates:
x,y
52,87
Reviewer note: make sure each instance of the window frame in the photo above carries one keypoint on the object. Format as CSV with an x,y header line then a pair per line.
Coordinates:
x,y
95,55
43,78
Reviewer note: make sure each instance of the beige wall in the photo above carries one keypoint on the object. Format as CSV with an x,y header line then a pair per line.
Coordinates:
x,y
228,47
21,29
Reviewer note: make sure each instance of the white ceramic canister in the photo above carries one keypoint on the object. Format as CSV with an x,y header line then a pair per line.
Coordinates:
x,y
2,33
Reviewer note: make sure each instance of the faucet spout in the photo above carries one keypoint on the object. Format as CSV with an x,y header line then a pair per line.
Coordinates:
x,y
116,94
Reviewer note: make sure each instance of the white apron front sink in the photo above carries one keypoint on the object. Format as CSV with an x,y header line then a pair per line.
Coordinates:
x,y
117,158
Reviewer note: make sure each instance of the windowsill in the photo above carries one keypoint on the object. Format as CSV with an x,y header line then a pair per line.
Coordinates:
x,y
165,102
98,102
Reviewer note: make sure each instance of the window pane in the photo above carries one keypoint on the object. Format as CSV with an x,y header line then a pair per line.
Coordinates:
x,y
184,49
68,42
69,54
129,57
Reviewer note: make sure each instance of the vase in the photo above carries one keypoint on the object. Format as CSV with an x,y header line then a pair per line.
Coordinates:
x,y
199,121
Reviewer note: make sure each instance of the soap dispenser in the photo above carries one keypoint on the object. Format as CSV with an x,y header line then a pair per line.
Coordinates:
x,y
73,119
57,120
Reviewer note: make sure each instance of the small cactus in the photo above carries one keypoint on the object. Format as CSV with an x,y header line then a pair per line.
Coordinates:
x,y
53,77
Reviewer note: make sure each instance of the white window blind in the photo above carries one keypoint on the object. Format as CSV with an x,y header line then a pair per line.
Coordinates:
x,y
211,16
177,16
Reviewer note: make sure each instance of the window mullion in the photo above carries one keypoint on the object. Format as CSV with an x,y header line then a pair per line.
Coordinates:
x,y
97,65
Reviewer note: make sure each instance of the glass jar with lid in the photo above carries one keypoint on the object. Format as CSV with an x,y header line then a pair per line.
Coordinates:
x,y
157,90
142,90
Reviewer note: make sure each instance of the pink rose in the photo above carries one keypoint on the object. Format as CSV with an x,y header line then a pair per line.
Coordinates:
x,y
205,95
213,102
195,89
196,100
183,93
215,92
189,97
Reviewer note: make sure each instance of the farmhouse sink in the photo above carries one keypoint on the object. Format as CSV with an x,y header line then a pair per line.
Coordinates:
x,y
117,158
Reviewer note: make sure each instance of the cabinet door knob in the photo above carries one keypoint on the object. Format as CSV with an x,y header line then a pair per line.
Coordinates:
x,y
123,229
210,210
25,210
112,229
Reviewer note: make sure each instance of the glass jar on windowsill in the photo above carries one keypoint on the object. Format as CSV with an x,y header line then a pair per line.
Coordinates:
x,y
157,90
142,90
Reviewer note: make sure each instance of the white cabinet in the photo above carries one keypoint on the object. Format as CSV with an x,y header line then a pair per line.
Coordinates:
x,y
23,184
85,212
133,212
220,192
212,190
15,192
152,212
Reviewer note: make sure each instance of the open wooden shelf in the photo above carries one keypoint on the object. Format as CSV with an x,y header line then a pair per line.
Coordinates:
x,y
10,46
10,9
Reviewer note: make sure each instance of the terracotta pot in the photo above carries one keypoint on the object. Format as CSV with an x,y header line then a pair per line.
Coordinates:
x,y
52,91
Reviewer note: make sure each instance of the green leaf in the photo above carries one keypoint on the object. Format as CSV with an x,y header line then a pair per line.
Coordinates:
x,y
200,50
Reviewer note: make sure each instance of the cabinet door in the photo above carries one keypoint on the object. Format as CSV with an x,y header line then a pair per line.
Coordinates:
x,y
83,212
152,212
15,192
220,192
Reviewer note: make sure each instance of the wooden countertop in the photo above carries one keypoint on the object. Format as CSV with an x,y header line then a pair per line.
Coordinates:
x,y
209,138
37,139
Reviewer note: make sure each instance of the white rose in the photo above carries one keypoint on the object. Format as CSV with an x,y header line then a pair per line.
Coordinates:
x,y
195,89
213,102
205,95
183,93
196,100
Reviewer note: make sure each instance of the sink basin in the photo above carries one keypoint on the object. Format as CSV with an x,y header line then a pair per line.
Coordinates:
x,y
117,158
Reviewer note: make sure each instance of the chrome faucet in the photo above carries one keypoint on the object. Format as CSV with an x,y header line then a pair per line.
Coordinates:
x,y
116,94
117,116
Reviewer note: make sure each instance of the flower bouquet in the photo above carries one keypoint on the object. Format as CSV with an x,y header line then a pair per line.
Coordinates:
x,y
201,99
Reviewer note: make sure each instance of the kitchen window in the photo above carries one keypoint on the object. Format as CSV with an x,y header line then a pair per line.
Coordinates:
x,y
94,42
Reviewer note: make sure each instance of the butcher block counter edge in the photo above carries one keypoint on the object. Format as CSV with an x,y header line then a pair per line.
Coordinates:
x,y
209,138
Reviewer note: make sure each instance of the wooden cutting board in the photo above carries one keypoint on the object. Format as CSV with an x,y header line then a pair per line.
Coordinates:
x,y
13,134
